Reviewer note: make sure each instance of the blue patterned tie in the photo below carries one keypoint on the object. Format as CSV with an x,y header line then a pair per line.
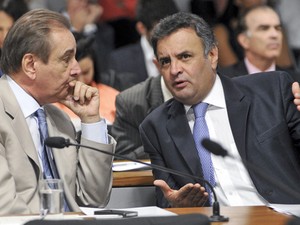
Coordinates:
x,y
200,132
49,167
50,171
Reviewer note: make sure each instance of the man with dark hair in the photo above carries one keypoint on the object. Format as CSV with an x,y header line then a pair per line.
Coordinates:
x,y
39,65
132,64
253,117
136,102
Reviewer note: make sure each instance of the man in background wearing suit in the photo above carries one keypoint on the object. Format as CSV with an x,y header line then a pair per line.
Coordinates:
x,y
132,106
133,64
39,65
260,34
253,117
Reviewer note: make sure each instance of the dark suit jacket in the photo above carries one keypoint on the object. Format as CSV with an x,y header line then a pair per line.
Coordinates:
x,y
240,69
266,128
126,67
132,106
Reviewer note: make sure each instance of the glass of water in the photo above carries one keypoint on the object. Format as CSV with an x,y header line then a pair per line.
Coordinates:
x,y
51,197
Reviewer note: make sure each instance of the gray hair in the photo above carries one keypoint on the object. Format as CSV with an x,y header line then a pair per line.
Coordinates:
x,y
30,34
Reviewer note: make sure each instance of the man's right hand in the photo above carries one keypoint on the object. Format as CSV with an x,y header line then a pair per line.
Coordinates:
x,y
190,195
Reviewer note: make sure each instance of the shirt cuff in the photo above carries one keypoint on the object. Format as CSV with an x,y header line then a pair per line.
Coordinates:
x,y
96,132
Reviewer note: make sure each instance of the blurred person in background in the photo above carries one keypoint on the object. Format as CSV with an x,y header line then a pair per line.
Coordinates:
x,y
261,36
289,14
54,5
225,29
133,63
84,18
120,14
10,11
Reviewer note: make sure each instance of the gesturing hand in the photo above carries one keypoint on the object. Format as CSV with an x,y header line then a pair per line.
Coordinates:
x,y
190,195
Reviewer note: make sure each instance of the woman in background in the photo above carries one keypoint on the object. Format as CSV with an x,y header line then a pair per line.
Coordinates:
x,y
10,11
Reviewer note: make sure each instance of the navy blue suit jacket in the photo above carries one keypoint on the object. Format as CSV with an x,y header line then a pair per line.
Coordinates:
x,y
266,128
127,66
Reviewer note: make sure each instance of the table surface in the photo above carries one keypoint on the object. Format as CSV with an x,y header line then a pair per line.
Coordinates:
x,y
245,215
240,215
133,178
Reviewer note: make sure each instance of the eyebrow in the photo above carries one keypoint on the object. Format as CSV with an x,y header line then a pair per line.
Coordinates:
x,y
268,25
67,53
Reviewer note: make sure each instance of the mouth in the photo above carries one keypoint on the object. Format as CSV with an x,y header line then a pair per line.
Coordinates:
x,y
274,46
180,83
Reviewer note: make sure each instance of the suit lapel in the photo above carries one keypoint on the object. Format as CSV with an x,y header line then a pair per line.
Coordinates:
x,y
64,158
183,138
238,109
18,121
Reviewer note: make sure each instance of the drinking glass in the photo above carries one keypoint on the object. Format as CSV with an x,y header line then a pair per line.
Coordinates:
x,y
51,197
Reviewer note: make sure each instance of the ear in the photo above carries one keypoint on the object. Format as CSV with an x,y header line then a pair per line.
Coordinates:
x,y
213,56
28,65
243,40
141,29
156,63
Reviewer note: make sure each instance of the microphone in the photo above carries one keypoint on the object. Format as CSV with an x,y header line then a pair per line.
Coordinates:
x,y
217,149
60,142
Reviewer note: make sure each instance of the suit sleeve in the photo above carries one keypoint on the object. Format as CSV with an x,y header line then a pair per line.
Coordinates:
x,y
86,172
157,159
125,130
94,174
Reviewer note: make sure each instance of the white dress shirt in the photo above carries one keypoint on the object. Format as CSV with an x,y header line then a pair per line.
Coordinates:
x,y
253,69
234,186
149,56
95,132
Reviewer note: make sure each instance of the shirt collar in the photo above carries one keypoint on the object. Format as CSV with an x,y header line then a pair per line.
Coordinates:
x,y
215,97
27,103
147,49
253,69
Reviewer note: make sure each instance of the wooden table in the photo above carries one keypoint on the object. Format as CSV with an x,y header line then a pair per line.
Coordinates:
x,y
135,188
133,178
242,215
136,178
246,215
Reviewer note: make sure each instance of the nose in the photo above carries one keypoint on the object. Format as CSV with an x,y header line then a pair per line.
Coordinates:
x,y
176,68
75,70
275,32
